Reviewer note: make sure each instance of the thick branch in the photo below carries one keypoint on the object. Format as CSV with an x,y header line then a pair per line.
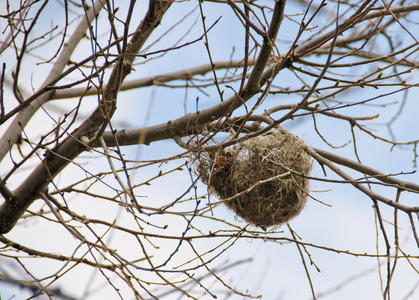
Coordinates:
x,y
152,134
359,186
268,43
404,185
190,123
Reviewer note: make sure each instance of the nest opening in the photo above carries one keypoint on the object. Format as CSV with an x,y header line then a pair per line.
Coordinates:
x,y
260,178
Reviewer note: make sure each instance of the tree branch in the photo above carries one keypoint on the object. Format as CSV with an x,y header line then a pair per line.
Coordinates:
x,y
363,189
13,132
59,157
152,80
191,123
404,185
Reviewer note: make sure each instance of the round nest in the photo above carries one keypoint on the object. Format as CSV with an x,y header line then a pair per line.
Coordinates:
x,y
260,178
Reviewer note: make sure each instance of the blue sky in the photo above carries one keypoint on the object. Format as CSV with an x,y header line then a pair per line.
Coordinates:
x,y
276,270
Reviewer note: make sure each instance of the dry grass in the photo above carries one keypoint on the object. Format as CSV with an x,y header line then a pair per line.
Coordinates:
x,y
259,179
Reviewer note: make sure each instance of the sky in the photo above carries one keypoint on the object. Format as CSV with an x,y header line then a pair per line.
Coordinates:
x,y
275,270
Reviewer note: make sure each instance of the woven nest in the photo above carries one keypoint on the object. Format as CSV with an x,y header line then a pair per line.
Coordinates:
x,y
260,178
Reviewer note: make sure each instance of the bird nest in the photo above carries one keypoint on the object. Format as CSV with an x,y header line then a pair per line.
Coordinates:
x,y
263,179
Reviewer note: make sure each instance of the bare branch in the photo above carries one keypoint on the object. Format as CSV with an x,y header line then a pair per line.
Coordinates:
x,y
12,134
